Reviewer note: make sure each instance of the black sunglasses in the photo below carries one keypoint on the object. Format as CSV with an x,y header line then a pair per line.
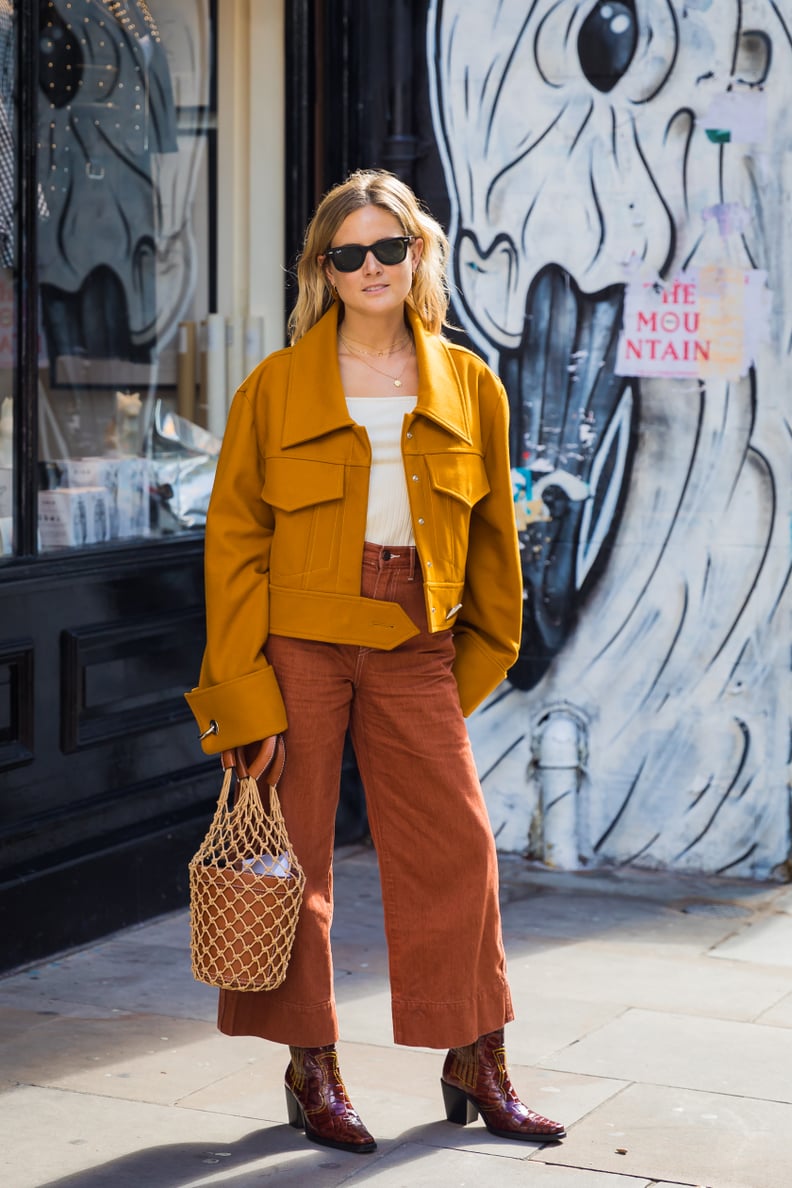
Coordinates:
x,y
351,256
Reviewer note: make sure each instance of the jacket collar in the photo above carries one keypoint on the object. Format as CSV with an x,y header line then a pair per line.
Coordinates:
x,y
315,402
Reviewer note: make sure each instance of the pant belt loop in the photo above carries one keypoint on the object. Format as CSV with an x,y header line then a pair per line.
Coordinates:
x,y
412,564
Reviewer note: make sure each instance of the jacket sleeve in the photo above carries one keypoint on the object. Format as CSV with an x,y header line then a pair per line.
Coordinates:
x,y
487,631
237,688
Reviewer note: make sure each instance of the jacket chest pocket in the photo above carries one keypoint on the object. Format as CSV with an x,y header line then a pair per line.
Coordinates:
x,y
307,498
458,482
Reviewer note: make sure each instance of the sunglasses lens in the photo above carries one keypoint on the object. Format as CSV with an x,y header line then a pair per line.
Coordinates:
x,y
390,251
350,257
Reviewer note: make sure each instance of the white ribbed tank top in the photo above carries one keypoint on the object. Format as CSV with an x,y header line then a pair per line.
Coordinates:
x,y
388,521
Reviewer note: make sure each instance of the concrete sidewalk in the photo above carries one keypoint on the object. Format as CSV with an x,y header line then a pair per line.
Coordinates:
x,y
654,1018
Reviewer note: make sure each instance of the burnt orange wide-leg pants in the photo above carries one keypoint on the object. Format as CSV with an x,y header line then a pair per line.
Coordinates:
x,y
428,821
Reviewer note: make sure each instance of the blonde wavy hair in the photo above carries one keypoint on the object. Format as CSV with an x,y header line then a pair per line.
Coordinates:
x,y
429,296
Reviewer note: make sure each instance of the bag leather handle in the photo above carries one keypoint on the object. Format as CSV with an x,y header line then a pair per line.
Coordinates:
x,y
267,757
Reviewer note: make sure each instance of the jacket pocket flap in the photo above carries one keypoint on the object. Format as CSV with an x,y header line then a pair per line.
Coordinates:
x,y
462,476
292,483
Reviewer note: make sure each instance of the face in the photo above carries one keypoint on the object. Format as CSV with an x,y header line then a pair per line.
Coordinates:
x,y
374,288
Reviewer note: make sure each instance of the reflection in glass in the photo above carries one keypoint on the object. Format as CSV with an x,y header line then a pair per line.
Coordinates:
x,y
124,115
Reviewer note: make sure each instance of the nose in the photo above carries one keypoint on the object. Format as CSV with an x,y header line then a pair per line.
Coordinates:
x,y
371,263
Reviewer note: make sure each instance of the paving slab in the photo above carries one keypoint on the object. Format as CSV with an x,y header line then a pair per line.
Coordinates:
x,y
130,974
15,1022
763,942
78,1140
359,959
712,1055
410,1165
779,1015
581,916
142,1057
365,1015
643,975
544,1024
171,931
46,1007
684,1137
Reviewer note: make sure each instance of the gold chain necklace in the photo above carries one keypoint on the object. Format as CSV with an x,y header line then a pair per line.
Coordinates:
x,y
396,380
397,346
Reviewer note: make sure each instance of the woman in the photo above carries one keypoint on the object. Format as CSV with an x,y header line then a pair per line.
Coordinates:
x,y
362,571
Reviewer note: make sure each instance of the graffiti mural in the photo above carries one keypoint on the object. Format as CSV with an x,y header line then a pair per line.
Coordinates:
x,y
620,182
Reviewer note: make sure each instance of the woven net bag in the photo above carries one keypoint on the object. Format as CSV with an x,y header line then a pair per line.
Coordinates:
x,y
246,885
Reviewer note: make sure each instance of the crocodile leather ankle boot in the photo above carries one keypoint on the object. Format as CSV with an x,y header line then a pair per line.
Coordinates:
x,y
475,1081
318,1103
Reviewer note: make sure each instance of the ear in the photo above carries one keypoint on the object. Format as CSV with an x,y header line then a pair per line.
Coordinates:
x,y
325,266
416,251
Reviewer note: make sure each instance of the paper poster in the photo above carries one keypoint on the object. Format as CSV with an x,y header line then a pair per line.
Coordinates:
x,y
706,322
736,117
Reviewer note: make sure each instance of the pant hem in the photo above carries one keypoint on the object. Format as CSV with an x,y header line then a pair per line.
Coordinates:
x,y
450,1025
304,1027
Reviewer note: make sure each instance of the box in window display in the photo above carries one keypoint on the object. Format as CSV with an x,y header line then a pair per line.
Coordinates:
x,y
71,517
132,498
125,481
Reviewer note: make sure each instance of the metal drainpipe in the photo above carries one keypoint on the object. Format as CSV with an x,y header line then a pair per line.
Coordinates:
x,y
560,748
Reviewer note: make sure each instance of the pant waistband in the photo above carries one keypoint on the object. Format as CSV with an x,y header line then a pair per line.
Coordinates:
x,y
391,557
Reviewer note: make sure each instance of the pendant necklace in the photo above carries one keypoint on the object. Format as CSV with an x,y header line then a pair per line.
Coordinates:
x,y
396,380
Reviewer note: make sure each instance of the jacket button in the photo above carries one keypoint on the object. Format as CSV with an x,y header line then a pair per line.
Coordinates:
x,y
415,478
428,564
409,435
420,519
433,610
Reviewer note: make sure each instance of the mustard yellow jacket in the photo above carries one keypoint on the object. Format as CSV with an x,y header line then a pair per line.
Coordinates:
x,y
287,518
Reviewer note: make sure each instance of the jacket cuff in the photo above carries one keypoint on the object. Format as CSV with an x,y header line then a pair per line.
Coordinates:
x,y
476,671
245,709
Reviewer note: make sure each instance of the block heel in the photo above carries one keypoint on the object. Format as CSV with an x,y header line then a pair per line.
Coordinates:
x,y
458,1106
294,1111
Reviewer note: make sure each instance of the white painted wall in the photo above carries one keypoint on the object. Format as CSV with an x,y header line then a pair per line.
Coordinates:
x,y
676,673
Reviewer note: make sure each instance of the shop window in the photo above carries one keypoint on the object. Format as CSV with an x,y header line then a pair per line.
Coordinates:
x,y
126,125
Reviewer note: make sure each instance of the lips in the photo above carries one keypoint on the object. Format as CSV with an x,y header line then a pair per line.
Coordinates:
x,y
572,424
